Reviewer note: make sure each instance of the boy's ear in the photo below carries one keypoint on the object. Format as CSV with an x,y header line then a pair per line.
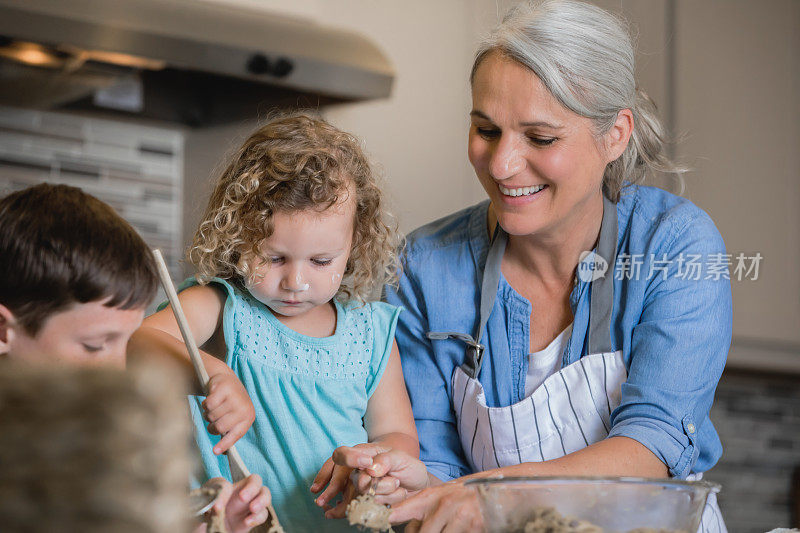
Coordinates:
x,y
6,329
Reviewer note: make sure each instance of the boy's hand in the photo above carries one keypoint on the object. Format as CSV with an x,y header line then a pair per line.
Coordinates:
x,y
243,504
246,506
228,408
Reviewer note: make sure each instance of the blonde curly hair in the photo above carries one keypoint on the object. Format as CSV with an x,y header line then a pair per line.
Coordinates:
x,y
293,163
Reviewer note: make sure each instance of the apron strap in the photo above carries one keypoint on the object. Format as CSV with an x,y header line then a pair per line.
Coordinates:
x,y
602,295
491,281
491,277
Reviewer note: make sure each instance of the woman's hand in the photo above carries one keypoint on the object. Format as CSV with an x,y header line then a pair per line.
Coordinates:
x,y
448,507
244,503
228,408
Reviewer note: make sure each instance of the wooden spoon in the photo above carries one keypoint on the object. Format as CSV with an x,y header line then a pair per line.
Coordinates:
x,y
238,469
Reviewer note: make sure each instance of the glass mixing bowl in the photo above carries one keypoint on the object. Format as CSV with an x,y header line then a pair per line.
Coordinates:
x,y
615,504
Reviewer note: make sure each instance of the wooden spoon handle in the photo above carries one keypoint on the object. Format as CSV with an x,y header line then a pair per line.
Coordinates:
x,y
238,469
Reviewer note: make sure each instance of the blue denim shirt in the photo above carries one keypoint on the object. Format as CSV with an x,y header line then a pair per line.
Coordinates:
x,y
671,321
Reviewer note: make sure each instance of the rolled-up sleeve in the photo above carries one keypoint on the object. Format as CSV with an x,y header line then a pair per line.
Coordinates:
x,y
678,350
427,382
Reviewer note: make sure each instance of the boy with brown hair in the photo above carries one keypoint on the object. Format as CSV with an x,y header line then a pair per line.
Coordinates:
x,y
75,280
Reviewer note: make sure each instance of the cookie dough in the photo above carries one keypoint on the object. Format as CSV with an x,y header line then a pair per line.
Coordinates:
x,y
548,520
366,513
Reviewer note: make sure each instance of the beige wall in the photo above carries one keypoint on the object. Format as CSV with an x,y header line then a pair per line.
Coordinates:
x,y
419,135
738,81
205,151
733,80
729,89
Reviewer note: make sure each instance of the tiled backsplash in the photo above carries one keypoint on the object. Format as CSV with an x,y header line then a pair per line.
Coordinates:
x,y
136,169
757,416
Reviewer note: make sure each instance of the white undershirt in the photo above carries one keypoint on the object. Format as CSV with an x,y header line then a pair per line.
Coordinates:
x,y
545,363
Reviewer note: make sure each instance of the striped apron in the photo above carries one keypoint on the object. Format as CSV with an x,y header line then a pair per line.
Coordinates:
x,y
571,409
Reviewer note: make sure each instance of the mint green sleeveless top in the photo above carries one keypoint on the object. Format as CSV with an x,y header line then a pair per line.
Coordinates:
x,y
310,396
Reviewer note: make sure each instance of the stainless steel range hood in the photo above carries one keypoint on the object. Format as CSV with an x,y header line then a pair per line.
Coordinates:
x,y
184,61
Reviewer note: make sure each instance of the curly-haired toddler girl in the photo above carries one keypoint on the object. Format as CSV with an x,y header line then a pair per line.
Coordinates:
x,y
293,242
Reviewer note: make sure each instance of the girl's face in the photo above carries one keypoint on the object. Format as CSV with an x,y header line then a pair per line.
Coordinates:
x,y
307,255
539,162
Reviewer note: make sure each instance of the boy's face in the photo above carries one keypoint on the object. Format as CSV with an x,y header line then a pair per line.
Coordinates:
x,y
86,334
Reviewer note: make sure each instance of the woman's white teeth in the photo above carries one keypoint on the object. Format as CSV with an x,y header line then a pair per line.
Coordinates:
x,y
522,191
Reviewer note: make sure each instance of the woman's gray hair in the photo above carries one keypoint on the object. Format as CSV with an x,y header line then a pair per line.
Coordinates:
x,y
584,56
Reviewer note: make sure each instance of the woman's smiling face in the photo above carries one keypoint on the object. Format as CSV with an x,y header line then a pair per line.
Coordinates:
x,y
540,163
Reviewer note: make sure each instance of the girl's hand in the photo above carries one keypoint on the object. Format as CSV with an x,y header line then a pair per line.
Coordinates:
x,y
337,479
451,507
399,474
392,473
336,474
339,482
244,503
228,408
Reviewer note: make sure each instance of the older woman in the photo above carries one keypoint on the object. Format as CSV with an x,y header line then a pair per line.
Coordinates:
x,y
576,323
